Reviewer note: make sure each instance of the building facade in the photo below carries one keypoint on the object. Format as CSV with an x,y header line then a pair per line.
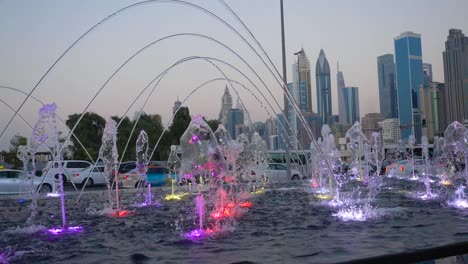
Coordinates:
x,y
301,78
387,86
340,85
177,105
235,119
455,59
226,105
390,130
409,76
323,86
427,72
370,124
350,104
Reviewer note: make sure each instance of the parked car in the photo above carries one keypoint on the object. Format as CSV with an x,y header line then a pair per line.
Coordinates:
x,y
405,167
16,181
96,176
156,175
69,167
127,166
277,172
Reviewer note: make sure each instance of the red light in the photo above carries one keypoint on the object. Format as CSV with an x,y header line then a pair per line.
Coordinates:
x,y
125,177
227,212
246,204
121,213
402,168
77,174
230,205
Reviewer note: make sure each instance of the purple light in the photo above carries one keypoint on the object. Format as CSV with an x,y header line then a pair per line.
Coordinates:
x,y
194,139
195,234
71,229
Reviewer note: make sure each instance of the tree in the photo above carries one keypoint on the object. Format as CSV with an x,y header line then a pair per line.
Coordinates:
x,y
179,125
89,132
11,157
213,123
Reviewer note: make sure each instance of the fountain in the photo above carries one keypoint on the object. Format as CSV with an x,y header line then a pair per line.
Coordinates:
x,y
142,166
108,154
173,164
411,142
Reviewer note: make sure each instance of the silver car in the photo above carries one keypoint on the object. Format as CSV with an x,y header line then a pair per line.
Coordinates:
x,y
16,181
277,172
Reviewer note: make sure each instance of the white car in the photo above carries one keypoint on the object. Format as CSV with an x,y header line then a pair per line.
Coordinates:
x,y
16,181
69,167
277,172
96,176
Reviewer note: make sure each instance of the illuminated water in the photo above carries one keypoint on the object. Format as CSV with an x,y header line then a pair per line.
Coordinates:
x,y
284,225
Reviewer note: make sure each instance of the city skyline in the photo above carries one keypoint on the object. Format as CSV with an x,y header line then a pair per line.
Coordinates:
x,y
40,31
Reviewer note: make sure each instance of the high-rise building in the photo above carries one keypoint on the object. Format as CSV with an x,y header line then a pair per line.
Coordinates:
x,y
390,130
260,128
301,78
427,71
370,123
270,126
177,105
234,119
350,105
409,76
456,76
291,125
282,128
387,86
432,109
226,105
313,122
323,86
340,85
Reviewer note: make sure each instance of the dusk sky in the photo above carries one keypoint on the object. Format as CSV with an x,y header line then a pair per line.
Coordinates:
x,y
35,33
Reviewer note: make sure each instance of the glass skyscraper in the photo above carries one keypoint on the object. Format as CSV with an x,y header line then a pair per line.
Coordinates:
x,y
323,86
456,76
387,86
351,104
409,76
301,79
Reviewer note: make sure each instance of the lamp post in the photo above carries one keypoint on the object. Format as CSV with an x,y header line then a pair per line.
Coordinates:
x,y
285,100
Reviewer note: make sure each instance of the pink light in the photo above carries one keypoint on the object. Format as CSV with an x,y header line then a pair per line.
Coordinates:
x,y
217,215
194,139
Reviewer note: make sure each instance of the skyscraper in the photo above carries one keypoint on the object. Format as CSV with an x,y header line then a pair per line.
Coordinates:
x,y
226,104
301,78
292,118
370,124
234,119
409,75
340,84
456,76
323,86
350,105
387,86
427,71
432,109
177,105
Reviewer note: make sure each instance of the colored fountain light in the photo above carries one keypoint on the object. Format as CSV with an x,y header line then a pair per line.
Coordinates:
x,y
353,214
446,183
323,196
217,215
177,196
459,203
245,204
196,234
53,195
66,230
122,213
258,191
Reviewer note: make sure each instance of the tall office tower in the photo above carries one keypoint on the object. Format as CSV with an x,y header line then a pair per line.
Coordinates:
x,y
432,106
323,86
409,76
301,79
427,71
292,118
177,105
350,105
340,84
234,120
456,76
226,105
387,86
